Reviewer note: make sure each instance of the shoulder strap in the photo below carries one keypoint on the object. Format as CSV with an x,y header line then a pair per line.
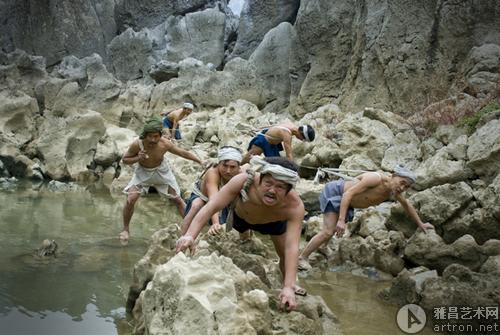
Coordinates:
x,y
243,196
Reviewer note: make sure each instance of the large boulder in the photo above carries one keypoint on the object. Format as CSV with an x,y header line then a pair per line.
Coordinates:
x,y
67,146
382,250
484,149
257,18
404,150
210,295
431,251
459,286
448,165
198,35
482,68
113,145
440,203
131,54
17,116
360,135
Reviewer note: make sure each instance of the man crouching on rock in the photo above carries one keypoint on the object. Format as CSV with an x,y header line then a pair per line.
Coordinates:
x,y
264,202
339,198
152,170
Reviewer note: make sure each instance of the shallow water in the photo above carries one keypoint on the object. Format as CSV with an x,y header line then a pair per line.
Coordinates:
x,y
83,291
354,301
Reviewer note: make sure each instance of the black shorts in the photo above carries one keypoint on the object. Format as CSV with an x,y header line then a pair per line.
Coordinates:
x,y
271,228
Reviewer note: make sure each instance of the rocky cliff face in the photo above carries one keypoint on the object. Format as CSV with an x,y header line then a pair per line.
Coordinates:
x,y
394,55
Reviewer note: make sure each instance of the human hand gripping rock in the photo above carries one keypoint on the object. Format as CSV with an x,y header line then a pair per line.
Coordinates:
x,y
426,226
287,299
183,243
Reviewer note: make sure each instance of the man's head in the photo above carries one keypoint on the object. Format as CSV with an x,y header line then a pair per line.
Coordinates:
x,y
307,133
151,131
402,179
229,162
187,107
278,175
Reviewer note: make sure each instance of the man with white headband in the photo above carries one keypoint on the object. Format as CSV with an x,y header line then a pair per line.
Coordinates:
x,y
209,183
267,203
270,141
171,120
339,198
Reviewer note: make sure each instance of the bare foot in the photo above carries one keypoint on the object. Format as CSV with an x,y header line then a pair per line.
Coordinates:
x,y
124,235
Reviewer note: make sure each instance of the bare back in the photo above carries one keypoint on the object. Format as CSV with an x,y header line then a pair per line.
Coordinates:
x,y
176,115
278,134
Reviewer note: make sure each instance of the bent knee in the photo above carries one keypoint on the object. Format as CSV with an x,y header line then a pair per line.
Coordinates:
x,y
327,234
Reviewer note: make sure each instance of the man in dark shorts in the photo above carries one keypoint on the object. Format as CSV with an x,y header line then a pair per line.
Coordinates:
x,y
339,198
270,141
268,204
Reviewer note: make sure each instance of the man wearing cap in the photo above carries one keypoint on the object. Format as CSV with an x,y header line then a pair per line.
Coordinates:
x,y
209,183
265,202
339,198
270,141
152,170
171,119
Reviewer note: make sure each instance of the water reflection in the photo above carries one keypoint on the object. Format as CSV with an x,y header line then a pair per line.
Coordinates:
x,y
354,301
83,290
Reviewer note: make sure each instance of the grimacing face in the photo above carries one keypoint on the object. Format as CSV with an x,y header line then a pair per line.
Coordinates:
x,y
400,184
272,191
228,169
152,138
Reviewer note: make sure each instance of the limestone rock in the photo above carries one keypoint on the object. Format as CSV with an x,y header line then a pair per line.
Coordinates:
x,y
404,150
113,145
361,135
68,145
17,117
430,251
484,149
198,35
257,18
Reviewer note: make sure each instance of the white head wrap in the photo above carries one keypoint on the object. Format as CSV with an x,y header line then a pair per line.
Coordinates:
x,y
228,153
188,105
401,171
305,133
277,171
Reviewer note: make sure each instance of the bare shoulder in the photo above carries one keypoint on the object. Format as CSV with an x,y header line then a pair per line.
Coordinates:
x,y
295,204
166,143
371,178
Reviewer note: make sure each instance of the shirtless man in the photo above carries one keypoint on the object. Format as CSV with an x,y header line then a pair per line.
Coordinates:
x,y
152,170
339,198
208,185
271,141
271,207
171,119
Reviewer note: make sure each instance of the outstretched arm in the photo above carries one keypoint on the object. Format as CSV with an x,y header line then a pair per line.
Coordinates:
x,y
291,252
184,154
412,212
212,187
220,200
